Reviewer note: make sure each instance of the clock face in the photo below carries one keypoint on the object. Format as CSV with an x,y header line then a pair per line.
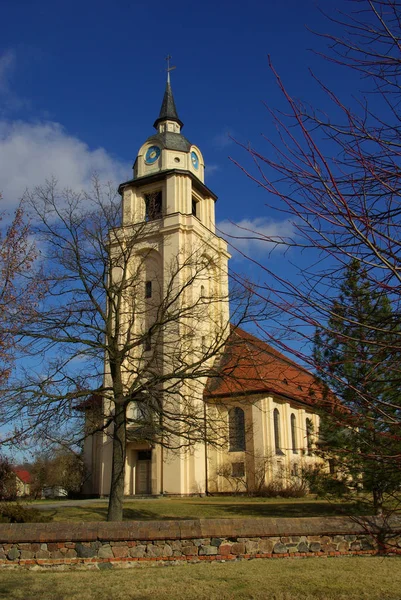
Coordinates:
x,y
195,160
152,155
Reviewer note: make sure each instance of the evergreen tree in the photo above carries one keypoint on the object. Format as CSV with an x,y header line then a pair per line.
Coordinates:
x,y
357,356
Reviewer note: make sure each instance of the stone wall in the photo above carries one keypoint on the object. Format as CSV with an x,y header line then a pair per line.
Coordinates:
x,y
107,545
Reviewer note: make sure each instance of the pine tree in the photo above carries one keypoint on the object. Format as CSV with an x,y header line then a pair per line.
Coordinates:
x,y
357,356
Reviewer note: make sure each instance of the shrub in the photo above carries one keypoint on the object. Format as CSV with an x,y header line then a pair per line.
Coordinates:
x,y
280,488
8,488
324,484
18,513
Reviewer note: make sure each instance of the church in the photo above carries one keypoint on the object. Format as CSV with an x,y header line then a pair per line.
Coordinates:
x,y
243,414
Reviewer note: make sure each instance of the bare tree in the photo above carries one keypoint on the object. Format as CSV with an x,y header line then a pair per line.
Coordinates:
x,y
18,292
336,176
100,333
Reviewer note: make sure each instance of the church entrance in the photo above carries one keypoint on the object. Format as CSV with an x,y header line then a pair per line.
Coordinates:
x,y
143,472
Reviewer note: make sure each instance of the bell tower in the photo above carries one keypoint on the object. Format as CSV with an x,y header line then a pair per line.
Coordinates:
x,y
168,218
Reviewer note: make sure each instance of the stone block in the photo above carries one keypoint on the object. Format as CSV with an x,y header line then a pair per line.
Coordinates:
x,y
43,547
225,549
329,548
167,550
191,550
52,547
238,548
216,542
120,551
279,548
251,547
105,551
177,544
154,551
303,547
85,551
138,551
350,538
70,553
315,547
13,553
367,544
342,546
266,546
42,554
207,550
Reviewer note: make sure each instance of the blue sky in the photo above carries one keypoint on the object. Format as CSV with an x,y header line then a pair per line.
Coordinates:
x,y
82,82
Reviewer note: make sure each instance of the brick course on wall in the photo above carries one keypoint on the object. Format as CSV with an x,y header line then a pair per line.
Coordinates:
x,y
104,545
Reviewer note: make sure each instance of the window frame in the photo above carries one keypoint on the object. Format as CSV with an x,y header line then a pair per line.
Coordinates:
x,y
236,429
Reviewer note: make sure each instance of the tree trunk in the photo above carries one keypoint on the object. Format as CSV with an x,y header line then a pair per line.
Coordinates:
x,y
378,502
116,499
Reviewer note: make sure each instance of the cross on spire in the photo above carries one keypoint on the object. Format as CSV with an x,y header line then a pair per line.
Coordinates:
x,y
168,58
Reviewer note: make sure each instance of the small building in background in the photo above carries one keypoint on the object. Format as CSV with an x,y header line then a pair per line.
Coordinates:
x,y
23,482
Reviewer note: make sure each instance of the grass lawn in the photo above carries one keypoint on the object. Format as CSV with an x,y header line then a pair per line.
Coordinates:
x,y
201,508
351,578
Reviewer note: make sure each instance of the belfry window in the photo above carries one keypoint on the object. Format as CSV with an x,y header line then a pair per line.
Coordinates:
x,y
153,206
236,429
195,208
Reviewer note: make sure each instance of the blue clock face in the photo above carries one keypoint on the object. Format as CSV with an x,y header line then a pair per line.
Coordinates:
x,y
152,155
195,160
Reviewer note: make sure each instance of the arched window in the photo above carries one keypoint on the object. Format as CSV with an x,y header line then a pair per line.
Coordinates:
x,y
236,429
277,432
309,430
293,434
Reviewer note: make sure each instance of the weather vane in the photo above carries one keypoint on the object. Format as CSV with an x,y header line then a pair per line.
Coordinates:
x,y
168,58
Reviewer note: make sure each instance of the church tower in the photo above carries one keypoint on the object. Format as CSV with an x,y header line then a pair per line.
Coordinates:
x,y
168,216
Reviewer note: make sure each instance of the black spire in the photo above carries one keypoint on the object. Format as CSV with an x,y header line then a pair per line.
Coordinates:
x,y
168,111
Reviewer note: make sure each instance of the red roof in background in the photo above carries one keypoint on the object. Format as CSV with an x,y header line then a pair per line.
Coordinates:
x,y
251,366
25,476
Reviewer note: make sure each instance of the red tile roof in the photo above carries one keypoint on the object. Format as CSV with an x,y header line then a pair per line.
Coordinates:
x,y
25,476
251,366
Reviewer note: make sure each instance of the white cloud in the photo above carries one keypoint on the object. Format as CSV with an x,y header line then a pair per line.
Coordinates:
x,y
255,236
30,153
223,139
210,169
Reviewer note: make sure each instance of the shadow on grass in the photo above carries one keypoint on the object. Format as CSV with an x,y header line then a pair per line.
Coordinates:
x,y
214,510
292,510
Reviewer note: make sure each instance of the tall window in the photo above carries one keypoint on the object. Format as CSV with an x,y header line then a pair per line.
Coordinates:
x,y
309,430
293,434
236,429
153,206
277,432
148,289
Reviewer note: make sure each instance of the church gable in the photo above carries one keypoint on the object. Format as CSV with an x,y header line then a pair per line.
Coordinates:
x,y
251,366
